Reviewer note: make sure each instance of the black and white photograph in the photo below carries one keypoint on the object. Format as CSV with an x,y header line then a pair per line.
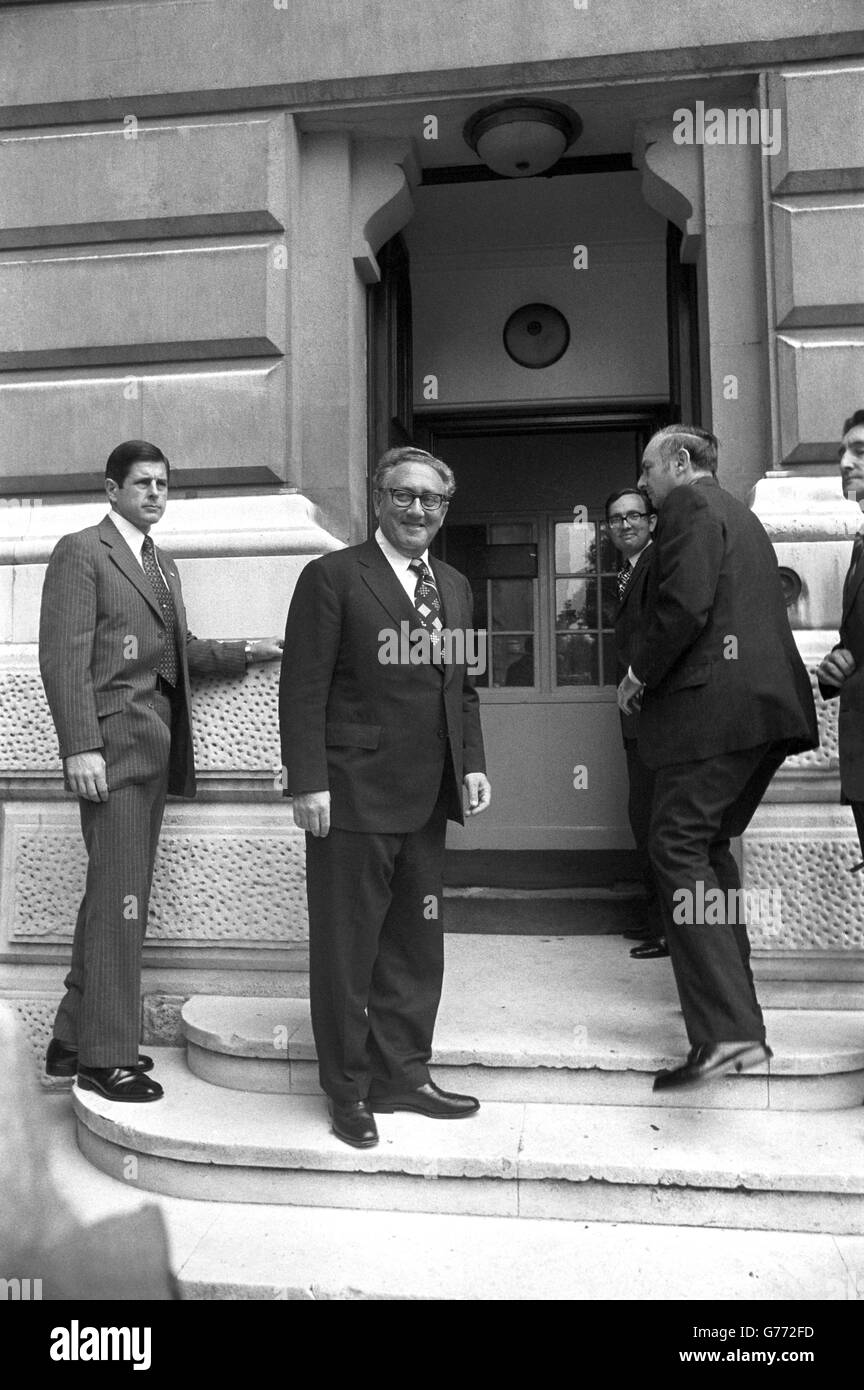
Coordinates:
x,y
432,668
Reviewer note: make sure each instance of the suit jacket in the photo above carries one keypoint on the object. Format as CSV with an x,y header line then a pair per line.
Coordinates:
x,y
717,655
377,736
630,619
100,637
851,693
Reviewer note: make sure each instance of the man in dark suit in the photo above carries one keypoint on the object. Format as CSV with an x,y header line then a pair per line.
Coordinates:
x,y
725,698
115,657
631,520
380,729
842,670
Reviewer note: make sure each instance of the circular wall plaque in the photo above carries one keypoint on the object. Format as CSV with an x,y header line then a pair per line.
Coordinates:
x,y
536,335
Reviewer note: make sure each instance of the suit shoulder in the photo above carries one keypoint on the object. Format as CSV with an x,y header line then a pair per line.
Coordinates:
x,y
77,542
335,562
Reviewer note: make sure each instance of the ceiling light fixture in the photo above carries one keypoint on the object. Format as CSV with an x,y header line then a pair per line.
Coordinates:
x,y
522,136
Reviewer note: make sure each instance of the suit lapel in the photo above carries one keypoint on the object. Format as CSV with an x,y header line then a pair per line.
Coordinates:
x,y
377,573
854,579
125,561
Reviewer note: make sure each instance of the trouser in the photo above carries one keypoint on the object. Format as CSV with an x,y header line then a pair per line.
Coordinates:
x,y
858,813
100,1013
376,955
640,780
698,807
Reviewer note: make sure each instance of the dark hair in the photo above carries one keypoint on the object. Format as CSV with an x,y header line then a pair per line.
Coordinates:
x,y
854,420
125,456
633,491
701,445
409,453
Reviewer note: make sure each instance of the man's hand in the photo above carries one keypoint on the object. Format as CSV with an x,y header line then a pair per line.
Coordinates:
x,y
479,792
312,812
630,695
836,667
265,649
85,773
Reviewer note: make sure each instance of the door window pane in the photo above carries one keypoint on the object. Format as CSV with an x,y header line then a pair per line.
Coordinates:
x,y
575,603
513,661
512,605
575,547
577,659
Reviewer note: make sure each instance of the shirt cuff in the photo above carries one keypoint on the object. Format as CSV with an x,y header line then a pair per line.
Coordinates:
x,y
631,675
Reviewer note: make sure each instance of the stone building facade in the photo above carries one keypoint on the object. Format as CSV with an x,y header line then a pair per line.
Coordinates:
x,y
213,217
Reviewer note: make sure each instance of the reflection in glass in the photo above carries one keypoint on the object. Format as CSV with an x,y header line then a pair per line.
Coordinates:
x,y
575,547
575,603
513,661
576,659
513,605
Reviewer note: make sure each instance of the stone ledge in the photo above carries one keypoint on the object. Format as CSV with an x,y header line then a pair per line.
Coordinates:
x,y
696,1150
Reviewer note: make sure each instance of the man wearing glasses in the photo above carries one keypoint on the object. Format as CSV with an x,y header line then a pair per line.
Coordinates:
x,y
379,737
631,520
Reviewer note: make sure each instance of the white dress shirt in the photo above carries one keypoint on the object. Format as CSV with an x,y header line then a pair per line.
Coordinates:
x,y
134,539
400,564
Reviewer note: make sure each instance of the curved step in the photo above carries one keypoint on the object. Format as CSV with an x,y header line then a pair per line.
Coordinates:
x,y
266,1045
767,1169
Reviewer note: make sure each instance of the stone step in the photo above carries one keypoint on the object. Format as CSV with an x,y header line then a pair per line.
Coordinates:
x,y
769,1169
266,1045
238,1251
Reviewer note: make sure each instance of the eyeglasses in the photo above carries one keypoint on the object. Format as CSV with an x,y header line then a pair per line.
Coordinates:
x,y
632,518
429,501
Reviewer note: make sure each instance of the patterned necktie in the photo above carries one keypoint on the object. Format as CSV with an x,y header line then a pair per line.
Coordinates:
x,y
167,667
623,577
427,602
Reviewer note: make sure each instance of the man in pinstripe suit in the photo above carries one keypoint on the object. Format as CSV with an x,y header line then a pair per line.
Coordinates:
x,y
115,657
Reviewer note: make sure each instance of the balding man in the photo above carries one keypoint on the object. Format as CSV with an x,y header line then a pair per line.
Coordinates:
x,y
380,731
725,699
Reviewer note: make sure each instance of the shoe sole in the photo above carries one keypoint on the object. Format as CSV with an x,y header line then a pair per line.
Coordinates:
x,y
731,1067
355,1143
84,1084
418,1110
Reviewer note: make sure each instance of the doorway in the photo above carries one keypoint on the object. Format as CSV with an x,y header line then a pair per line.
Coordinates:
x,y
526,527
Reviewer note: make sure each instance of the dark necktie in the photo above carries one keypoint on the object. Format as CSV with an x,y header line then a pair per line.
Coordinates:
x,y
427,602
167,667
623,577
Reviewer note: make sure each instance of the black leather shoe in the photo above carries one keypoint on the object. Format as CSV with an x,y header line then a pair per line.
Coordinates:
x,y
428,1100
119,1083
62,1060
713,1059
354,1123
652,950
